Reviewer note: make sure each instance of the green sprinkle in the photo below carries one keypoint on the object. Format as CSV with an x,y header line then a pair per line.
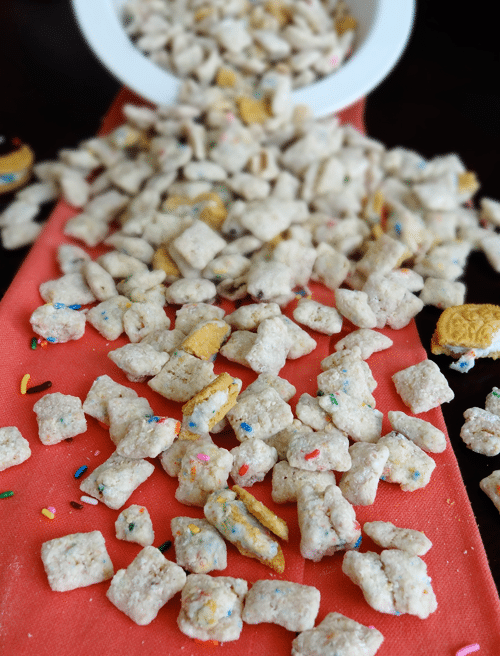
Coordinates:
x,y
33,343
166,545
131,526
7,494
496,394
333,399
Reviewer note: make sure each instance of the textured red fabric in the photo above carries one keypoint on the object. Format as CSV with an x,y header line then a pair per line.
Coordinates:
x,y
35,620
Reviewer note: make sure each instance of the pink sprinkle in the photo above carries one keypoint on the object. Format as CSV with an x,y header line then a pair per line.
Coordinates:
x,y
371,626
52,509
96,453
203,456
468,650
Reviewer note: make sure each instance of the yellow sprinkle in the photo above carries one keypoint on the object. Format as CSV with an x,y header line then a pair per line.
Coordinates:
x,y
212,605
193,528
24,383
47,513
220,499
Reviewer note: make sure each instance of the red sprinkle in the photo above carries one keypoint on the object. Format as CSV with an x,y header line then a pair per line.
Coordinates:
x,y
243,470
313,454
76,505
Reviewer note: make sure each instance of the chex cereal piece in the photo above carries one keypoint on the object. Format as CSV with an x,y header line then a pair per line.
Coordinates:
x,y
261,512
58,323
143,280
147,437
492,403
393,582
182,377
206,338
122,411
408,278
120,265
199,244
468,332
248,317
164,340
382,255
134,524
491,486
232,519
71,258
359,484
102,391
211,607
281,440
14,449
422,386
321,451
310,413
146,585
270,282
317,316
291,605
191,314
251,461
269,351
99,280
353,305
202,471
422,433
353,416
59,416
287,480
345,371
107,317
114,481
302,342
338,635
369,341
76,561
407,464
70,289
392,303
442,293
238,346
138,361
199,547
142,318
171,458
386,535
211,404
260,415
481,431
327,522
190,290
264,381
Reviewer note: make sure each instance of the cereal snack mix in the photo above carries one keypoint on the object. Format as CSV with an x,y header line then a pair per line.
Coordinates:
x,y
171,458
76,560
59,416
251,461
58,323
393,582
353,305
319,317
491,486
183,376
146,585
107,317
359,485
147,437
311,413
407,464
138,361
353,416
211,607
481,431
14,449
422,386
102,391
281,440
327,522
388,536
287,480
114,481
261,415
261,512
338,635
230,516
291,605
134,525
199,547
211,404
202,471
369,341
122,411
422,433
269,351
492,403
321,451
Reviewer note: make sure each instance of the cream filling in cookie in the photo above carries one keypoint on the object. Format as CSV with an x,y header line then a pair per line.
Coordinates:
x,y
198,420
468,355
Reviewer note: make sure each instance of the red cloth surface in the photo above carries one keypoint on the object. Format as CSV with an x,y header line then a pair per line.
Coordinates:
x,y
36,620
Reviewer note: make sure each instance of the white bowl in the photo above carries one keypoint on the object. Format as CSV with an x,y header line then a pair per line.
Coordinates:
x,y
384,27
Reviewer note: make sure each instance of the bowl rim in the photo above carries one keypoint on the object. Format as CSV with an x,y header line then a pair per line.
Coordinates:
x,y
372,62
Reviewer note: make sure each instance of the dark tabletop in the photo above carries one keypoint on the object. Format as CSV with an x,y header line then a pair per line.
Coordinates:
x,y
442,97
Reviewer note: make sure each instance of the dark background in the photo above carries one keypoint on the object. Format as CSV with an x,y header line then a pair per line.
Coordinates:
x,y
443,96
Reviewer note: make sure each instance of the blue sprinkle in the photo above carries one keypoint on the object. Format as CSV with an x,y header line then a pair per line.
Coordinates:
x,y
58,306
192,424
278,590
229,613
246,427
382,478
52,340
415,475
358,542
80,471
7,177
153,418
397,228
75,306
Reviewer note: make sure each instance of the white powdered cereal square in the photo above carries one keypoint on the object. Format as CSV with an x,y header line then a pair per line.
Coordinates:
x,y
142,318
310,413
190,290
259,415
422,433
199,547
14,449
291,605
134,524
199,244
102,391
211,607
202,471
269,351
271,282
57,323
287,480
317,316
492,403
171,458
146,585
491,486
481,431
388,536
353,305
70,289
345,371
147,437
281,440
407,464
122,411
248,317
353,416
107,317
327,522
116,479
138,361
238,346
251,461
359,484
442,293
369,341
59,416
265,381
321,451
76,561
422,386
392,303
182,377
191,314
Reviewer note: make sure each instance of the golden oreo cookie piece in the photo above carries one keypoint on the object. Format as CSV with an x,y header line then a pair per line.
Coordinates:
x,y
261,512
16,160
223,383
472,325
205,341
